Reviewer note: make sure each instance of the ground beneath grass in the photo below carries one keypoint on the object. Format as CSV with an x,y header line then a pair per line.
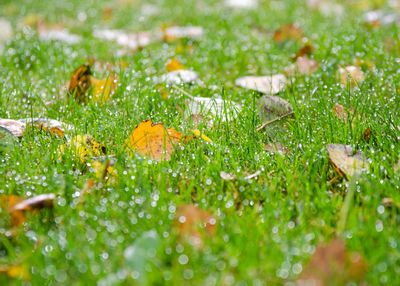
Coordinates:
x,y
233,211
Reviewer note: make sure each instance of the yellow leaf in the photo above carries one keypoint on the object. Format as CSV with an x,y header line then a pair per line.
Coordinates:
x,y
15,271
153,140
103,89
84,147
197,133
174,65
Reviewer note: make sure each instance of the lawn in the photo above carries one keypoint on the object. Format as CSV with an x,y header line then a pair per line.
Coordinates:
x,y
226,212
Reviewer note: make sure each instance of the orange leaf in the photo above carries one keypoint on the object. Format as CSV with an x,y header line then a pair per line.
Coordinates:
x,y
306,50
80,83
154,140
174,65
288,32
192,223
332,265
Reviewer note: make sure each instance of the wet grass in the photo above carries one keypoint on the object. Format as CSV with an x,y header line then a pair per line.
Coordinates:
x,y
268,227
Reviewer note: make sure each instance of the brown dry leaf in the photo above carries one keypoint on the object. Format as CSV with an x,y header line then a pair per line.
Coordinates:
x,y
288,32
193,223
264,84
332,264
341,112
15,271
174,65
345,161
82,82
367,134
153,140
396,167
351,75
306,50
272,107
16,127
107,13
17,211
7,202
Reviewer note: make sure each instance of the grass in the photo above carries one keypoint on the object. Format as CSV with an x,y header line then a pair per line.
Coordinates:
x,y
268,227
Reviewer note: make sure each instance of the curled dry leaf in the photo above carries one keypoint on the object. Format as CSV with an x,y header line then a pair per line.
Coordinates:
x,y
211,108
180,77
153,140
15,127
193,223
254,175
17,206
82,82
83,147
306,50
345,161
226,176
351,75
264,84
332,264
272,107
177,32
288,32
340,112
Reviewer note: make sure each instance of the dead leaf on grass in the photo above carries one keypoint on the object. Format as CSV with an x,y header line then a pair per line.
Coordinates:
x,y
276,148
351,75
264,84
272,107
332,264
345,161
153,140
178,32
289,32
193,223
83,147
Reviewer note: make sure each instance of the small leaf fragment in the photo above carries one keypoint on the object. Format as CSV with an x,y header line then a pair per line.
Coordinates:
x,y
83,147
272,107
351,75
16,127
288,32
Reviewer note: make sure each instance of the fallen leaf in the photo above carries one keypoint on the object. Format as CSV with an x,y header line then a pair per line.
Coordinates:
x,y
288,32
345,161
327,8
103,89
83,147
82,82
132,41
303,66
306,50
272,107
252,176
351,75
367,134
180,77
396,167
104,171
341,112
58,34
177,32
276,148
226,176
211,108
264,84
15,271
17,208
174,65
377,18
193,223
199,134
332,264
15,127
55,127
153,140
